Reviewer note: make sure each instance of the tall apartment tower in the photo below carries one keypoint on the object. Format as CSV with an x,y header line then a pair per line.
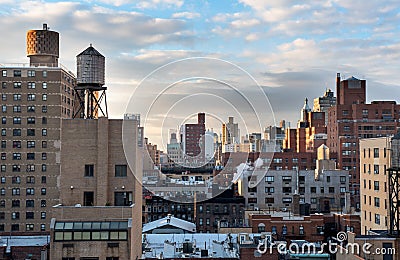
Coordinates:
x,y
322,104
192,139
35,99
352,119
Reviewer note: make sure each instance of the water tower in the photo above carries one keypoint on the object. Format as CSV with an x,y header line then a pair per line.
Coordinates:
x,y
42,47
90,90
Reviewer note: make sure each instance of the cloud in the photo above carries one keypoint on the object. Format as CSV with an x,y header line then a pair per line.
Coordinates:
x,y
186,15
154,4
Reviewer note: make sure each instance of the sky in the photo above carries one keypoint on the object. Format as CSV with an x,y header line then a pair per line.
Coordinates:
x,y
288,49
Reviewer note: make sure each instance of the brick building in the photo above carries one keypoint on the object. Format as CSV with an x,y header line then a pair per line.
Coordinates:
x,y
35,99
352,119
191,138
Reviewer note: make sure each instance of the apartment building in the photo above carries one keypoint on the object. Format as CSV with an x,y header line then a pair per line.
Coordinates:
x,y
35,97
374,160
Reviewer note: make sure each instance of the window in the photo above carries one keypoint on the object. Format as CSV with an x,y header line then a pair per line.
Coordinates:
x,y
44,74
31,97
44,156
43,179
286,200
30,168
29,215
269,178
376,202
31,109
4,73
30,132
313,200
30,179
16,168
42,227
286,189
376,152
43,203
16,144
17,132
31,85
120,170
3,132
43,215
301,230
331,189
44,97
3,179
342,179
4,120
376,169
17,73
44,132
30,203
16,192
15,203
17,109
3,156
30,144
313,189
200,221
16,180
43,191
269,200
44,167
342,189
17,120
3,168
88,198
4,85
44,144
15,227
29,227
123,198
3,144
30,191
2,191
269,189
4,108
286,178
322,190
89,170
207,221
328,178
44,85
44,109
17,84
15,215
44,120
377,219
31,73
4,97
376,185
30,120
30,156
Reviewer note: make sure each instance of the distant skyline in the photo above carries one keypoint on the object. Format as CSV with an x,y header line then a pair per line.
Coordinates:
x,y
292,48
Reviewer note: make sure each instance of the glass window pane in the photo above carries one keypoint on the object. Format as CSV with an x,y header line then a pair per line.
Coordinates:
x,y
87,225
105,225
96,225
78,235
68,225
95,235
123,225
67,235
85,235
104,235
122,235
114,225
78,225
59,225
113,235
58,235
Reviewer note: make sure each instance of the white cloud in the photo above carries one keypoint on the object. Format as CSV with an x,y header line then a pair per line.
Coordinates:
x,y
187,15
153,4
252,37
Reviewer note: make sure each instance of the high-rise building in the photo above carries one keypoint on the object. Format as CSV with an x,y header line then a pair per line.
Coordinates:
x,y
230,132
322,104
192,138
374,189
352,119
35,99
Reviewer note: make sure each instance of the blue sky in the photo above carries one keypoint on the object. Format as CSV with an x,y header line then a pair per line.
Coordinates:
x,y
292,48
